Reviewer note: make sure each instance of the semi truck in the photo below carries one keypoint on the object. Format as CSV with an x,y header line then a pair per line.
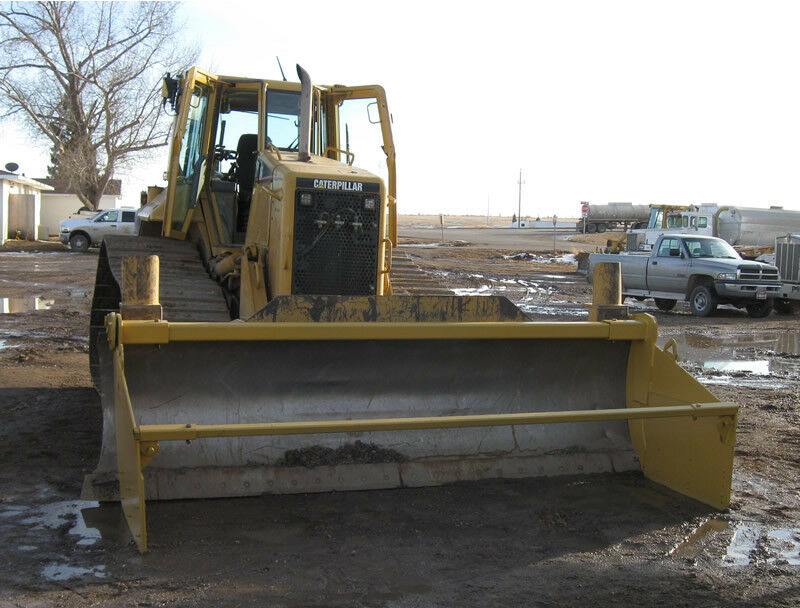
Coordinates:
x,y
704,270
751,231
613,216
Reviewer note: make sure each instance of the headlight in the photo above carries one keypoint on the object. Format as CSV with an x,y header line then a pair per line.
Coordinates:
x,y
726,276
65,230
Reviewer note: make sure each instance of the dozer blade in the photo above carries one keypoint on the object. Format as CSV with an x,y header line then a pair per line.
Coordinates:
x,y
307,407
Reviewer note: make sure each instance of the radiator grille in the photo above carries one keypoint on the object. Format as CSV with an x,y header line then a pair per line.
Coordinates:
x,y
757,272
335,243
632,242
787,258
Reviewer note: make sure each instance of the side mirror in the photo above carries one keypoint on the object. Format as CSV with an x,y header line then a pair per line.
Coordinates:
x,y
372,113
169,91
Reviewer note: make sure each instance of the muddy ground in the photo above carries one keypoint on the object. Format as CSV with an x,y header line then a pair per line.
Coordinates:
x,y
605,540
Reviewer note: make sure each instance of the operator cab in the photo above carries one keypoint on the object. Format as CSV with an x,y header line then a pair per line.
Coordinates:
x,y
236,149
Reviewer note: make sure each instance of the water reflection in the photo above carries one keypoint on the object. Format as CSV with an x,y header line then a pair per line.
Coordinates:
x,y
16,304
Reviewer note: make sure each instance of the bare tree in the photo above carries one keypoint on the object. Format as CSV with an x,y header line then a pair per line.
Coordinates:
x,y
87,77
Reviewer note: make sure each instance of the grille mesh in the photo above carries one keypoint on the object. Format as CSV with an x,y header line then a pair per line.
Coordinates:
x,y
335,244
788,258
757,273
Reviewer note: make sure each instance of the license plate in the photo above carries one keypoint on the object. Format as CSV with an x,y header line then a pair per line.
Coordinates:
x,y
761,295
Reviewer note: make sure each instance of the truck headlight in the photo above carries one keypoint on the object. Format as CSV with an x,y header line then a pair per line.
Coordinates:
x,y
726,276
65,230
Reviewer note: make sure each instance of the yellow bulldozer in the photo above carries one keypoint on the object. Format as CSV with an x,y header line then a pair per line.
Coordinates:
x,y
262,334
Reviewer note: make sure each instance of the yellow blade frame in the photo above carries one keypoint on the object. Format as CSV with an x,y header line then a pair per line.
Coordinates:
x,y
683,436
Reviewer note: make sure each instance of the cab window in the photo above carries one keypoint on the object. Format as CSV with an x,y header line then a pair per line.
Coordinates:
x,y
128,216
702,222
109,216
669,248
238,116
360,134
283,119
656,218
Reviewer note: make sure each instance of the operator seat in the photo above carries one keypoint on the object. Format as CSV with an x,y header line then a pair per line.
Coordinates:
x,y
246,151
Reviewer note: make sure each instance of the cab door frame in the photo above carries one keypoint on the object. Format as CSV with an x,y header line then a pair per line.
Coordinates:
x,y
340,93
193,78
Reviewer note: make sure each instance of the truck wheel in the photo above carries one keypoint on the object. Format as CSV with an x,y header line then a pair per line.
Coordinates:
x,y
759,309
591,228
784,306
602,227
79,242
665,304
703,301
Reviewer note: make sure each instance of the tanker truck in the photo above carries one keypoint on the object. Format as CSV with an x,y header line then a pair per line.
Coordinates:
x,y
752,231
613,216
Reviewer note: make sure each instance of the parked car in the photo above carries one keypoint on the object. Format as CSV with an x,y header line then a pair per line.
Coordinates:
x,y
80,233
704,270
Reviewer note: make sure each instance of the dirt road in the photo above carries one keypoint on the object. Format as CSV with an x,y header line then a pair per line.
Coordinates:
x,y
614,540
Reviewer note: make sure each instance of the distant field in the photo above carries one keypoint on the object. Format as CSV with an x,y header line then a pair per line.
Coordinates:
x,y
465,221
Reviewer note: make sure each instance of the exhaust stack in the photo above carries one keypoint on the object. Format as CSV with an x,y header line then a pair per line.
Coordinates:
x,y
305,114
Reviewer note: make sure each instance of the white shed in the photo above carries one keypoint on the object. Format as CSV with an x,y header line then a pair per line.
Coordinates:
x,y
20,206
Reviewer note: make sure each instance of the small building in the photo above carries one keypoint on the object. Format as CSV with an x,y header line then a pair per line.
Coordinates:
x,y
20,206
60,202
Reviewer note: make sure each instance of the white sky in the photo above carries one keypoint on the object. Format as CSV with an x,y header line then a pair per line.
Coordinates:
x,y
599,101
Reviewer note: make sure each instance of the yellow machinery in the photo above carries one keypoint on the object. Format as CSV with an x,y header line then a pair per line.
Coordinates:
x,y
256,338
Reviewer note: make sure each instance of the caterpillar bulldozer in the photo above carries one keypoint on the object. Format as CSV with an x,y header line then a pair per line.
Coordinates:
x,y
262,334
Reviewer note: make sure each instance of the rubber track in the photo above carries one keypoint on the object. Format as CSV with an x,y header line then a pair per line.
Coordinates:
x,y
409,279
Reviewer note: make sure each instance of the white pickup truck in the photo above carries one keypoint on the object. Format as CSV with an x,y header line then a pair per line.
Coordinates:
x,y
83,232
704,270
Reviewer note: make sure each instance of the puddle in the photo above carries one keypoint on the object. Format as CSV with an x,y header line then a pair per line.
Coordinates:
x,y
554,308
693,545
4,344
57,514
423,245
760,367
751,544
86,522
764,358
24,304
568,258
63,572
788,541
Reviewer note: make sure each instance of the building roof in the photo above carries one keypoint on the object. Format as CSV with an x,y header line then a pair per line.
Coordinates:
x,y
26,181
114,187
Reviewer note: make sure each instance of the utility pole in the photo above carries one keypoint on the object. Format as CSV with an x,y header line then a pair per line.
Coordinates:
x,y
519,203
